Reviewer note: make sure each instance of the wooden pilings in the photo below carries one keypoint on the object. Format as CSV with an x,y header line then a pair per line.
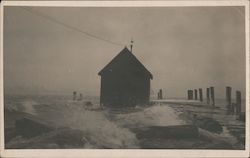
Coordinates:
x,y
233,108
200,95
236,107
229,105
212,96
195,94
77,98
238,102
208,96
190,94
80,97
74,95
159,94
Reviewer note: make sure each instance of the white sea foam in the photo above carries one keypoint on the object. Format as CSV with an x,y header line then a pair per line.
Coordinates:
x,y
99,131
158,115
28,107
103,129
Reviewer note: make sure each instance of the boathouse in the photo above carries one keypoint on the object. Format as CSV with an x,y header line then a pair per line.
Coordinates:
x,y
124,81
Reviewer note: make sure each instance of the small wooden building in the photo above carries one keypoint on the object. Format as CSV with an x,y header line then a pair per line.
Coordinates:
x,y
125,81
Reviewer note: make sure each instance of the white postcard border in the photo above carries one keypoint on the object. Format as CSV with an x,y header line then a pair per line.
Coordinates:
x,y
125,152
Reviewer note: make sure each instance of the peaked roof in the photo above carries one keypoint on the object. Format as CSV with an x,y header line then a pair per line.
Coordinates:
x,y
125,53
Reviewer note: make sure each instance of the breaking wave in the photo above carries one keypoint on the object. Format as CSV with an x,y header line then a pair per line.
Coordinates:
x,y
98,130
158,115
26,106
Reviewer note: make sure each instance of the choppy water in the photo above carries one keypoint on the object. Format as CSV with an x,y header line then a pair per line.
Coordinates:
x,y
108,128
104,128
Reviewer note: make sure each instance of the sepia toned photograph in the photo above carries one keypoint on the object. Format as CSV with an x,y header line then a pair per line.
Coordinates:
x,y
125,77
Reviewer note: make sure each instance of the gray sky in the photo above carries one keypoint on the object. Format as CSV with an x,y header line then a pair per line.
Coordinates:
x,y
183,47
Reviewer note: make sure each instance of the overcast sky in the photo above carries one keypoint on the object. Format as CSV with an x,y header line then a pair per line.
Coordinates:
x,y
183,47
